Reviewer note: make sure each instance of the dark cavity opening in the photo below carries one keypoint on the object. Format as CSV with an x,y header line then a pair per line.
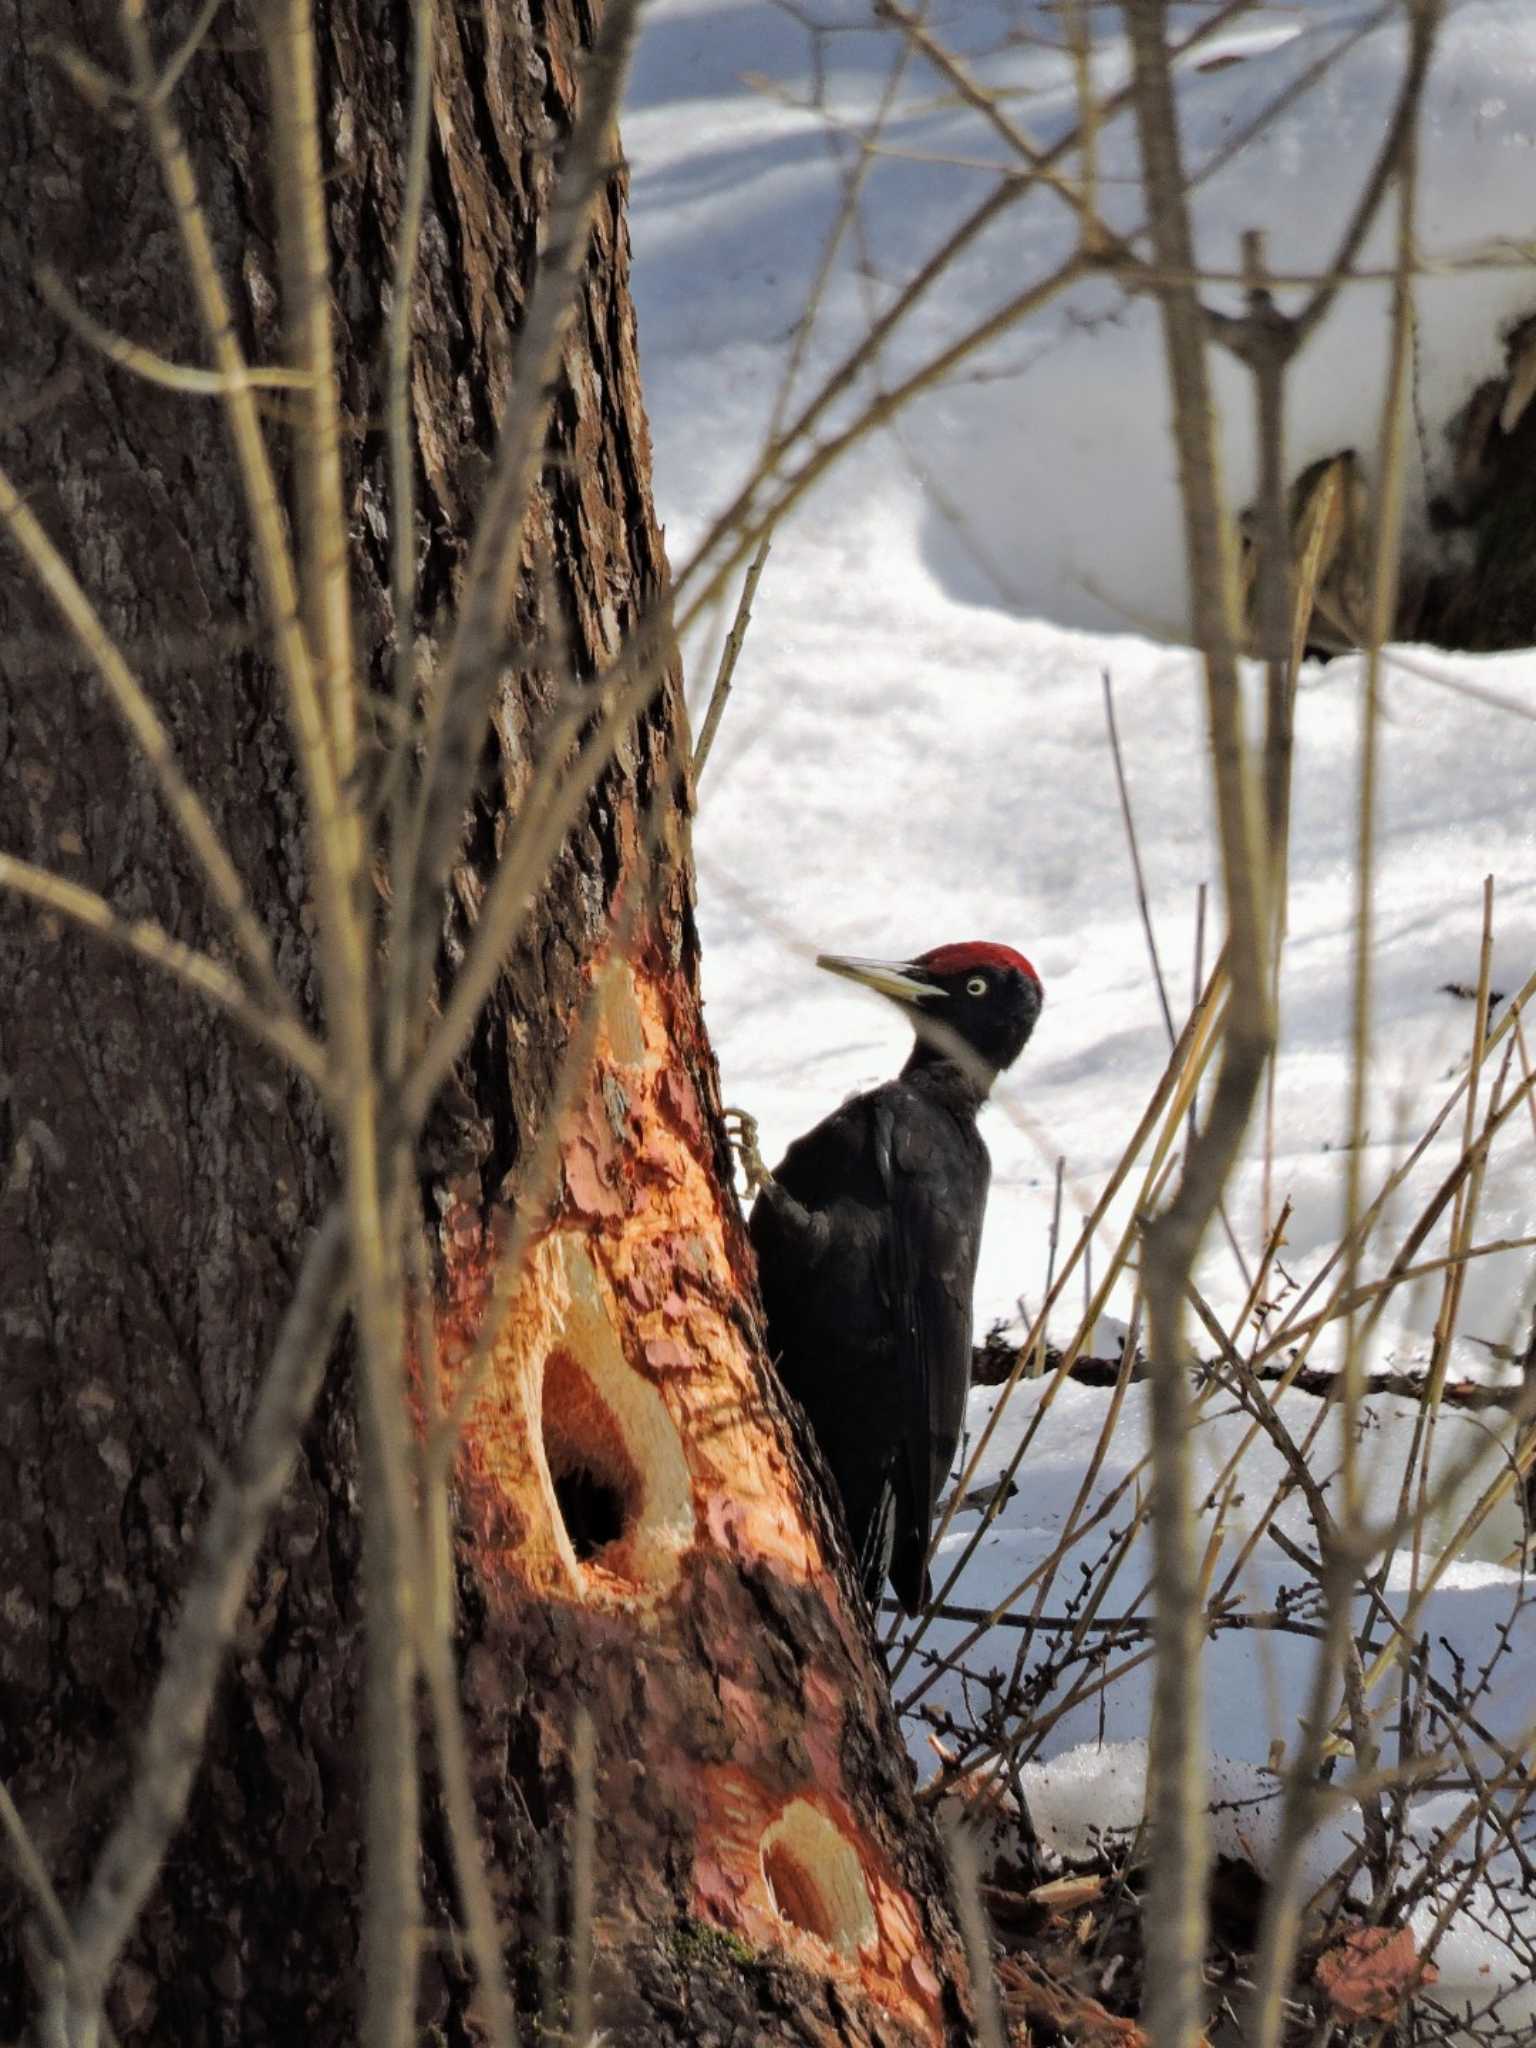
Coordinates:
x,y
597,1489
591,1508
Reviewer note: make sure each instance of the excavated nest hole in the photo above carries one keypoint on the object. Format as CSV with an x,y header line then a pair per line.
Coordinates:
x,y
597,1488
815,1880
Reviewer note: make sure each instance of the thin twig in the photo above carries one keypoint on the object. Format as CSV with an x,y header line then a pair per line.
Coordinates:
x,y
730,654
1144,908
402,499
145,362
1463,1225
305,263
150,942
1127,818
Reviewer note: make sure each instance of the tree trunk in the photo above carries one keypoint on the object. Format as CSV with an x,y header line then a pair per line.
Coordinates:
x,y
639,1535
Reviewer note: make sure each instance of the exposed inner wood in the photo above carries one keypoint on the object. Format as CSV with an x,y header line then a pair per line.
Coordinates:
x,y
623,1374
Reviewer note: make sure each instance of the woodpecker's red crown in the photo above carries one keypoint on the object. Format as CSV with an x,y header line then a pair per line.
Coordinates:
x,y
955,959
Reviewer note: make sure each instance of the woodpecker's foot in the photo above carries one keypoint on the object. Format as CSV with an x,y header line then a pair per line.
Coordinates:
x,y
741,1129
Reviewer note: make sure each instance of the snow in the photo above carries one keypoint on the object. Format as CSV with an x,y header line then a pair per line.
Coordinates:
x,y
916,748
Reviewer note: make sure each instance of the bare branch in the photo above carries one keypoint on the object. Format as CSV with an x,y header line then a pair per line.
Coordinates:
x,y
144,362
322,524
402,502
730,654
148,941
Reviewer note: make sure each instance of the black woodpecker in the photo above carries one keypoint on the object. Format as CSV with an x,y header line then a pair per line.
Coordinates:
x,y
866,1236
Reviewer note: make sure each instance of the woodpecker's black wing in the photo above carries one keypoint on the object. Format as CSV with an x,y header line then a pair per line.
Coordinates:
x,y
866,1243
939,1175
819,1229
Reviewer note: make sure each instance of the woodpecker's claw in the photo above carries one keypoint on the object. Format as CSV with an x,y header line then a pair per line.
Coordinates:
x,y
741,1129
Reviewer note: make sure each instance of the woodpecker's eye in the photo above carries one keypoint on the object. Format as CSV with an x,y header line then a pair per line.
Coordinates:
x,y
977,985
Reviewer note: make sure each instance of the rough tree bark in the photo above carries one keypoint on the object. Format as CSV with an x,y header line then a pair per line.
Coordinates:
x,y
638,1532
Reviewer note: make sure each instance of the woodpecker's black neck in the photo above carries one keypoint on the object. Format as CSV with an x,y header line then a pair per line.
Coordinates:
x,y
962,1084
